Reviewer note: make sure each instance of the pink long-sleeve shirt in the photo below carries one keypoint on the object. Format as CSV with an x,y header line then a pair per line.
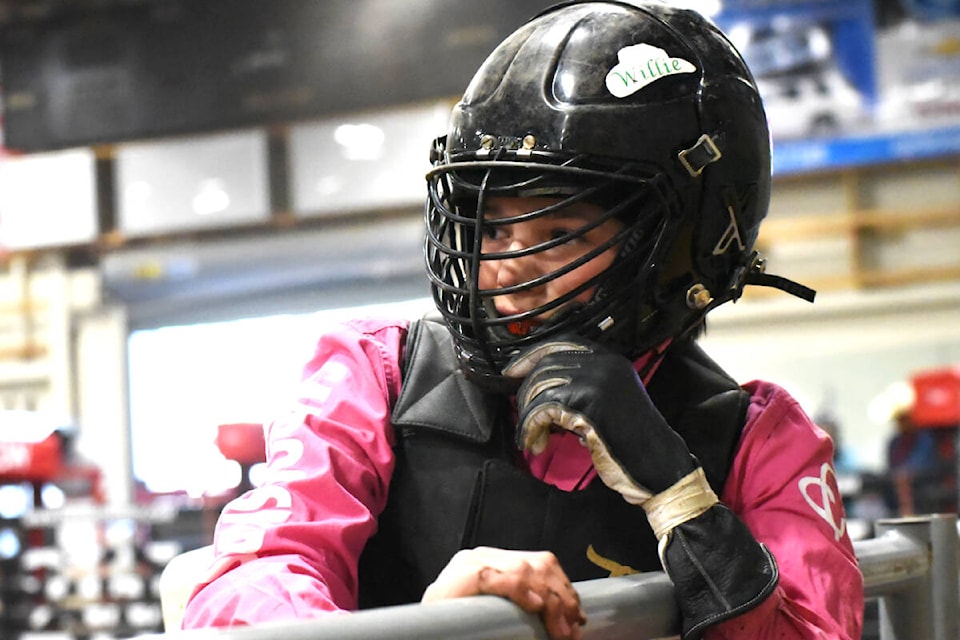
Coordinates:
x,y
289,548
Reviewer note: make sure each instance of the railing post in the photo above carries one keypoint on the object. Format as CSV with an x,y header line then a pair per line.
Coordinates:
x,y
926,607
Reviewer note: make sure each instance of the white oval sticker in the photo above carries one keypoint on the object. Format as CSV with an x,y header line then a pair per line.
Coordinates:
x,y
639,65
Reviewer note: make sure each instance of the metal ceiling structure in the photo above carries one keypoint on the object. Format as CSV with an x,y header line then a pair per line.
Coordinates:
x,y
26,11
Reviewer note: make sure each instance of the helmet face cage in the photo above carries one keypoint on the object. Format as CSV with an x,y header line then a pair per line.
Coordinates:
x,y
459,188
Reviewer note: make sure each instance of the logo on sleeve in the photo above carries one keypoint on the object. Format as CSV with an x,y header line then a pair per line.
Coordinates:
x,y
823,496
639,65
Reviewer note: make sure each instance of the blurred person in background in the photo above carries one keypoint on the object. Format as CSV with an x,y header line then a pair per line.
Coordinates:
x,y
921,466
598,192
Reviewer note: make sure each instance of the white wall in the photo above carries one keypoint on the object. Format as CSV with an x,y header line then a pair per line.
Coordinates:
x,y
101,370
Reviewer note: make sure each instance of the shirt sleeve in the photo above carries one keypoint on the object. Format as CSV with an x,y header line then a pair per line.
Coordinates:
x,y
289,548
783,486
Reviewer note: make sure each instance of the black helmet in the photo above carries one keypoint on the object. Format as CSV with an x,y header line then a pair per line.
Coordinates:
x,y
641,108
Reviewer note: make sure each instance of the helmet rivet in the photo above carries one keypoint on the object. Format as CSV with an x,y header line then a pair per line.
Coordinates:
x,y
529,141
698,297
486,141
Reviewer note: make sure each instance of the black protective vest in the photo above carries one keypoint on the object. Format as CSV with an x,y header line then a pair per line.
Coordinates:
x,y
456,486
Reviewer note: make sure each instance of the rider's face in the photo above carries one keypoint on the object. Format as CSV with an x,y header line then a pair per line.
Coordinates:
x,y
508,272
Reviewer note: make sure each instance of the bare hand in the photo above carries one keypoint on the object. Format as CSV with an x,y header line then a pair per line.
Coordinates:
x,y
533,580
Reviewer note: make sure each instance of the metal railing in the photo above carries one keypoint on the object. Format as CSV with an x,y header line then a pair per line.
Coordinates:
x,y
910,566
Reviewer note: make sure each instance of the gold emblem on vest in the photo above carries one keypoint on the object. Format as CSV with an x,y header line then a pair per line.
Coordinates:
x,y
615,568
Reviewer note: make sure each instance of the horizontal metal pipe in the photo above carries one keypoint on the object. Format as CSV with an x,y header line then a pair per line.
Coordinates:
x,y
890,562
473,618
635,606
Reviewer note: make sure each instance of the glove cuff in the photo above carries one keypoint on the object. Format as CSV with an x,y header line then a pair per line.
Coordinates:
x,y
686,499
718,569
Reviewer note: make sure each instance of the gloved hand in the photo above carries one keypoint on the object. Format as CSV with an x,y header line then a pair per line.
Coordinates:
x,y
718,568
581,387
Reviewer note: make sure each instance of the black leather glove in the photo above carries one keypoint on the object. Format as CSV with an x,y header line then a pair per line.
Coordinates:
x,y
595,393
719,570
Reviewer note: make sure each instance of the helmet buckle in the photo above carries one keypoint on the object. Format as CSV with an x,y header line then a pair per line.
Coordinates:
x,y
696,158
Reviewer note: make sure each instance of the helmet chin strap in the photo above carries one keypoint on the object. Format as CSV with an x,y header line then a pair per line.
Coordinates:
x,y
700,300
784,284
754,273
